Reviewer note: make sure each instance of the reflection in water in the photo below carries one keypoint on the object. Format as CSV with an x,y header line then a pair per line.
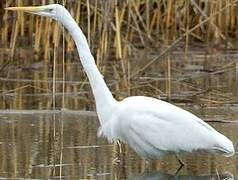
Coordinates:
x,y
198,82
163,176
31,144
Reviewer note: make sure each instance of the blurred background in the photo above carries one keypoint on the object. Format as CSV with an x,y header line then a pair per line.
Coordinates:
x,y
184,52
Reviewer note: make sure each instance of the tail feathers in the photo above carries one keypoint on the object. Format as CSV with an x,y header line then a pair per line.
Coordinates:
x,y
224,147
228,152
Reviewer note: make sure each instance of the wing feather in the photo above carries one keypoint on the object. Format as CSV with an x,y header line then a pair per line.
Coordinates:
x,y
156,129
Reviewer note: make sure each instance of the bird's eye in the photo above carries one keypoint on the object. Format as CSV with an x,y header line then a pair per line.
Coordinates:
x,y
50,10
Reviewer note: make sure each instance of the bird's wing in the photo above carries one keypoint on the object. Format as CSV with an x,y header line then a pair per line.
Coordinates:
x,y
164,129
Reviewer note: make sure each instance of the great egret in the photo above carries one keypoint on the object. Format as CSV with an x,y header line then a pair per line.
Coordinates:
x,y
153,128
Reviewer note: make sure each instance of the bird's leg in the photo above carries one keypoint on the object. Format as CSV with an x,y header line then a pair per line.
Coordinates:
x,y
146,165
117,153
180,161
182,164
178,170
119,145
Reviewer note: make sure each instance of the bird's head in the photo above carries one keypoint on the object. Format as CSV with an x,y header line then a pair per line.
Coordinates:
x,y
55,11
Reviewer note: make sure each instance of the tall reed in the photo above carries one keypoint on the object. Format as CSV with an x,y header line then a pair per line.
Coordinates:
x,y
118,31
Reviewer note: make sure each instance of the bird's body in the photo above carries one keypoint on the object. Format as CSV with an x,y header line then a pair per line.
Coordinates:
x,y
154,128
151,127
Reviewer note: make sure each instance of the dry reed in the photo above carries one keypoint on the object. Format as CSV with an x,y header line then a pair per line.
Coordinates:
x,y
118,31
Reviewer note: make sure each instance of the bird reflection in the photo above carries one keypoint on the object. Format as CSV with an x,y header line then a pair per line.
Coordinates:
x,y
162,176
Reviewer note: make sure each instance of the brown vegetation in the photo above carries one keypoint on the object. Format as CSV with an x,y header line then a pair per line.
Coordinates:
x,y
120,33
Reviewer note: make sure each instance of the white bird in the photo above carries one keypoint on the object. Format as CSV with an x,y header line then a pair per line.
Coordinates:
x,y
153,128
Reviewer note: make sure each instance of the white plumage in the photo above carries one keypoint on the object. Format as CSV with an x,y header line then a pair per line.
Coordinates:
x,y
151,127
155,128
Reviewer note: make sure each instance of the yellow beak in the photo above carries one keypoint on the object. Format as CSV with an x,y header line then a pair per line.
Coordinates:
x,y
30,9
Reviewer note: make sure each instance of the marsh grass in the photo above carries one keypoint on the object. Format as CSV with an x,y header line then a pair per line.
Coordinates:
x,y
134,44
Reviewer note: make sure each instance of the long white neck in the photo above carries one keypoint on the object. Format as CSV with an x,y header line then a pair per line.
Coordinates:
x,y
103,97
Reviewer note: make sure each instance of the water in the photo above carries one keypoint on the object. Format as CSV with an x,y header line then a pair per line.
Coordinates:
x,y
31,144
38,143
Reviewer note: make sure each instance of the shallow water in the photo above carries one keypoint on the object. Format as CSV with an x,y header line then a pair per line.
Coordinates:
x,y
45,144
33,142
